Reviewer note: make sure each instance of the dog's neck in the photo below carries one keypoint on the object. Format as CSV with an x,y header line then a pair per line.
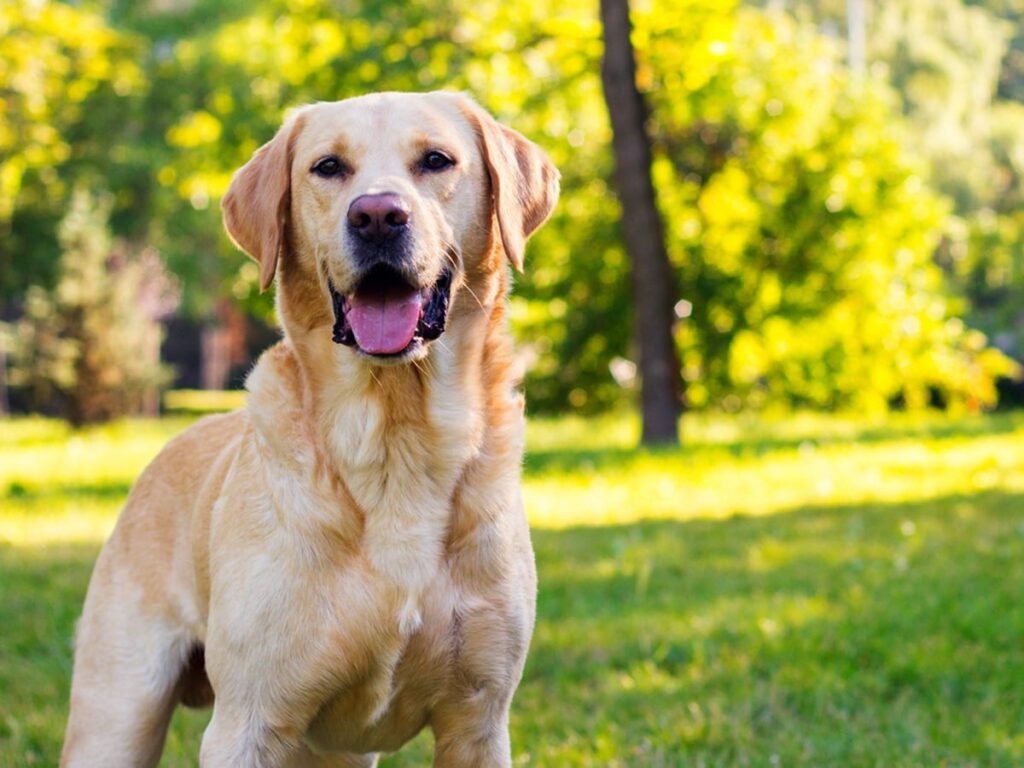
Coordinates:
x,y
400,439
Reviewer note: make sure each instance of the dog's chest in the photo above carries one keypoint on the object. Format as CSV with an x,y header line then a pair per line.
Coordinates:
x,y
395,648
380,616
387,682
401,474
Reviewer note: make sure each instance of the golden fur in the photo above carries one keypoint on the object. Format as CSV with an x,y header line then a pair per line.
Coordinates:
x,y
345,561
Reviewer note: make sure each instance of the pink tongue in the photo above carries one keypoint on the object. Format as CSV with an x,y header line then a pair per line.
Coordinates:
x,y
384,319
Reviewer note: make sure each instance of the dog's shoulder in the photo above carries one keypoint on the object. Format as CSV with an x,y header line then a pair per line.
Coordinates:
x,y
274,381
275,404
180,466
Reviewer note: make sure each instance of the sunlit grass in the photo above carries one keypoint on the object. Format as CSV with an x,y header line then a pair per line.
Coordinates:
x,y
59,485
818,589
198,401
580,474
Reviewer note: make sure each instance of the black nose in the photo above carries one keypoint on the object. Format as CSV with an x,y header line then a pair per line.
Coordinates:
x,y
377,218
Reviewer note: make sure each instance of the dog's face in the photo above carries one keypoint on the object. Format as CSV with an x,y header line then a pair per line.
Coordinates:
x,y
389,199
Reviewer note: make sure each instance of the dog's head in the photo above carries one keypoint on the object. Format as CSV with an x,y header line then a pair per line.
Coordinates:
x,y
388,201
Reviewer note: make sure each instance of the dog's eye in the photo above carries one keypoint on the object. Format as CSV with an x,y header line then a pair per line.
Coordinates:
x,y
328,167
435,160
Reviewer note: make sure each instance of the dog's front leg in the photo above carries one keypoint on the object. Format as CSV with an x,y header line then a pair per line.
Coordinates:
x,y
236,737
306,758
472,734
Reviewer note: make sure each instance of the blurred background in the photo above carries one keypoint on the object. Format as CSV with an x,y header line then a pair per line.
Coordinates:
x,y
826,572
844,228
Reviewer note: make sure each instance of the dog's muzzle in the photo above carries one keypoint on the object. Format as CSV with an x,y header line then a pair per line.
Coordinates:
x,y
386,316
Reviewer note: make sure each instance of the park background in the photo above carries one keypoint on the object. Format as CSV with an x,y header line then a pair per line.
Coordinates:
x,y
827,570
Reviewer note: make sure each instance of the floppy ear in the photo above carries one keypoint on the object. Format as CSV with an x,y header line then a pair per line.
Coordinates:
x,y
256,204
524,181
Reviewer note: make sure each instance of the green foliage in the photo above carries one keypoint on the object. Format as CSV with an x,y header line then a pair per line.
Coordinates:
x,y
827,591
992,272
65,77
92,341
958,70
800,223
944,58
801,228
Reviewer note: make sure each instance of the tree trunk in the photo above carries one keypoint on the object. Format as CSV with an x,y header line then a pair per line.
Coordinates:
x,y
642,228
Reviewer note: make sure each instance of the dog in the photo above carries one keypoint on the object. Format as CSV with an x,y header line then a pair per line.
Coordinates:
x,y
346,560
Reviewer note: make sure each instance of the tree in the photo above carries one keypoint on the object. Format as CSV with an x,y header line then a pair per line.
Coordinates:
x,y
642,229
957,68
92,343
65,79
790,200
806,227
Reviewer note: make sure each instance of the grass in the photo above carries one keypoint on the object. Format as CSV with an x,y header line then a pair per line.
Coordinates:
x,y
802,591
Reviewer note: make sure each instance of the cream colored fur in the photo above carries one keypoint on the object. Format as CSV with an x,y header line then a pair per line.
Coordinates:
x,y
350,551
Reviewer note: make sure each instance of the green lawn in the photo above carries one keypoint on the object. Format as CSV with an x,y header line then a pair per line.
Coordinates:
x,y
805,591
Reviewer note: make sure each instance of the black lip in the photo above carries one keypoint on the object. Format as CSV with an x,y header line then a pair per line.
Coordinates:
x,y
342,333
432,320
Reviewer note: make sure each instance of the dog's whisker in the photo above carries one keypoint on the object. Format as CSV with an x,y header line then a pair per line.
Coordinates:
x,y
451,253
421,367
475,297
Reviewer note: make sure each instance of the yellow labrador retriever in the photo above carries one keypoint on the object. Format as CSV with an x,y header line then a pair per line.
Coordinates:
x,y
346,561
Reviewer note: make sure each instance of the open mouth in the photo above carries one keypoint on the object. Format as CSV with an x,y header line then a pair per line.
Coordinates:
x,y
386,316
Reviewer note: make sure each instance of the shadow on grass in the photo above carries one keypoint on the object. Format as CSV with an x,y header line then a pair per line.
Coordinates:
x,y
862,635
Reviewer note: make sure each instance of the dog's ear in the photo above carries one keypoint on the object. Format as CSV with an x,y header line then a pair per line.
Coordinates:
x,y
524,181
256,204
